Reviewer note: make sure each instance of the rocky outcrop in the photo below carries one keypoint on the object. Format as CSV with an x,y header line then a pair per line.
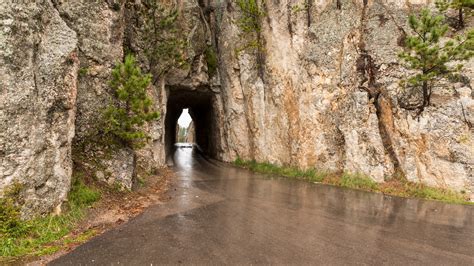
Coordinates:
x,y
100,29
38,87
100,33
118,170
316,87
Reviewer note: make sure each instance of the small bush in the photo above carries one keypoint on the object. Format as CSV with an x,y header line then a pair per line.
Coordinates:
x,y
11,224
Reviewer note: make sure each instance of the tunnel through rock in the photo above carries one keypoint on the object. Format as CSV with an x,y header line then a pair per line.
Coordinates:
x,y
200,105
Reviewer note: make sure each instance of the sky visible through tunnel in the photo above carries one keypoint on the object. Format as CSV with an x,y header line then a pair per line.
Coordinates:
x,y
185,119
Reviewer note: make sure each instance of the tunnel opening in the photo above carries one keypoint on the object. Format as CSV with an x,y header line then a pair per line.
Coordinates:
x,y
200,107
185,128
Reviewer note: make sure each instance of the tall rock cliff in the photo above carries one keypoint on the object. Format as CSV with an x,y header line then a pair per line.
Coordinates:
x,y
38,88
329,94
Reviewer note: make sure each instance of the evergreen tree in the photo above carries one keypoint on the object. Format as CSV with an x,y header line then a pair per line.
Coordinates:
x,y
164,43
251,24
252,13
133,108
431,58
463,7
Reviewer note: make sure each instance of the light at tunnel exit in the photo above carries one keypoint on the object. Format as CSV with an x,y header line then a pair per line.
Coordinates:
x,y
185,119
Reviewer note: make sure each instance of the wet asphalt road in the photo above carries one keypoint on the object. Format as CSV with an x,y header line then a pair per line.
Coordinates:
x,y
222,215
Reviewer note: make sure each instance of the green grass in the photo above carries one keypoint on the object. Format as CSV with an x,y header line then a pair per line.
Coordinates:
x,y
42,231
267,168
395,187
41,236
82,195
425,192
358,181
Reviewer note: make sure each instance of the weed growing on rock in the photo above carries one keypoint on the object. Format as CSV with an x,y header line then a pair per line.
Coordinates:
x,y
252,13
83,71
116,7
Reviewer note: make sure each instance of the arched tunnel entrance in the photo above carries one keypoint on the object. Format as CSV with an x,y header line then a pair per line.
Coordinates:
x,y
204,116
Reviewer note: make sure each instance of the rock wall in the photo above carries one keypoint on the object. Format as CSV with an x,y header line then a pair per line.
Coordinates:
x,y
56,58
38,74
314,107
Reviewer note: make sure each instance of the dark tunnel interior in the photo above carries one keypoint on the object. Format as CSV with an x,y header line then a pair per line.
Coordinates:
x,y
201,111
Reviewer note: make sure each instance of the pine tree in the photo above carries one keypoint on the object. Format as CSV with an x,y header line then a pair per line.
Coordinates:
x,y
251,24
431,58
164,44
252,13
463,7
133,109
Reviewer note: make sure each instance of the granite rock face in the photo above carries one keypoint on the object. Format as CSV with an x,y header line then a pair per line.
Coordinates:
x,y
322,91
118,169
38,88
315,106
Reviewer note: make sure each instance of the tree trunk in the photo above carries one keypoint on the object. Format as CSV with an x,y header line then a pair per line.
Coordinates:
x,y
260,56
426,95
460,17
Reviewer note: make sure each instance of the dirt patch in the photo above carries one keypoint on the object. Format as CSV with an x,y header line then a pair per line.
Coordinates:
x,y
114,209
